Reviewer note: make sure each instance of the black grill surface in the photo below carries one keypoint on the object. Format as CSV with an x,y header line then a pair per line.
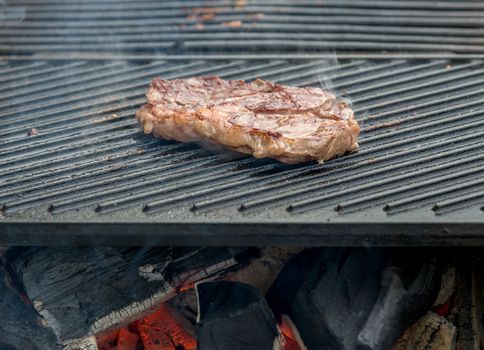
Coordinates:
x,y
76,168
152,26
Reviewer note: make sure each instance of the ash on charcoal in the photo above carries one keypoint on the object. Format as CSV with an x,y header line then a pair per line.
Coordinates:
x,y
235,316
354,298
87,343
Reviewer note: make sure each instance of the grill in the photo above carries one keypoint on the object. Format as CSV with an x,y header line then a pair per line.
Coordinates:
x,y
48,26
76,168
420,160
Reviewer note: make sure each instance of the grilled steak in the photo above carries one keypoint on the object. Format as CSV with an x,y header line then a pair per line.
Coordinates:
x,y
290,124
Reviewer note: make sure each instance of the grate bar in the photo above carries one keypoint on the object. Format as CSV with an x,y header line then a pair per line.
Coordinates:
x,y
434,125
416,76
462,179
43,89
332,78
305,184
91,186
459,202
262,27
310,11
90,168
310,202
22,188
152,19
76,86
21,72
405,204
147,39
204,178
93,97
421,95
273,183
416,106
311,45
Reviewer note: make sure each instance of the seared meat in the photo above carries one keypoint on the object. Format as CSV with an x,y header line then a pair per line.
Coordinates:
x,y
290,124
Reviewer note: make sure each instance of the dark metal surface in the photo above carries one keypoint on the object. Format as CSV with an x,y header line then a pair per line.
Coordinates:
x,y
151,26
91,176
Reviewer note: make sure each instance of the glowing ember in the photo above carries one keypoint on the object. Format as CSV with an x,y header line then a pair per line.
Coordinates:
x,y
445,309
164,329
162,326
153,340
292,340
127,340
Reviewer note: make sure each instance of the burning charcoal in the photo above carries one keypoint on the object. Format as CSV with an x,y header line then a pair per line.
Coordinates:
x,y
354,298
87,291
235,316
108,341
126,340
292,338
21,328
163,329
166,326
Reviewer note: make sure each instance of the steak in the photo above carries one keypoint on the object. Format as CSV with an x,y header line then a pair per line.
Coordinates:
x,y
290,124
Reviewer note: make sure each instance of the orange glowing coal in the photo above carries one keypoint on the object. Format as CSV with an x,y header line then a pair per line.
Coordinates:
x,y
292,340
164,329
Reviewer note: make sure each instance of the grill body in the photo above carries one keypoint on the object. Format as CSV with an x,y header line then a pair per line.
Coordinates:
x,y
76,168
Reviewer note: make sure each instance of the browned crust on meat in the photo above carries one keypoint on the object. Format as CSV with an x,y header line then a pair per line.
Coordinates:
x,y
239,116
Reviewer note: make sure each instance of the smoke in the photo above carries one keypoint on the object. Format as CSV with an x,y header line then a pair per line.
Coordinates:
x,y
324,75
329,69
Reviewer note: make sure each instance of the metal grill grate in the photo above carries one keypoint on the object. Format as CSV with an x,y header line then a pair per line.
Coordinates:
x,y
148,26
88,163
